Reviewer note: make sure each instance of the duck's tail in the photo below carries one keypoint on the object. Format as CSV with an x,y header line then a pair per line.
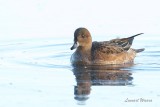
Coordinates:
x,y
136,35
139,50
130,39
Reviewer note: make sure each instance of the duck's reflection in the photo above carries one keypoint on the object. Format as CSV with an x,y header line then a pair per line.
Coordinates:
x,y
98,76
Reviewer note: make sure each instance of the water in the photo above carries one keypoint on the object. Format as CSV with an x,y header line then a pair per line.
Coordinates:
x,y
37,73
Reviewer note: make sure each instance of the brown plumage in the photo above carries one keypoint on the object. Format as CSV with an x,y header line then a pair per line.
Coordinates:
x,y
115,51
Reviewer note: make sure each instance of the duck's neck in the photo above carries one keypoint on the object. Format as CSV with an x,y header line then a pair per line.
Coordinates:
x,y
85,49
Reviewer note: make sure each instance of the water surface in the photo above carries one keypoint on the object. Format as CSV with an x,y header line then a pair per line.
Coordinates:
x,y
37,72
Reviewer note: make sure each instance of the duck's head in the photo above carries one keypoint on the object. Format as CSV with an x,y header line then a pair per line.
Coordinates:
x,y
82,38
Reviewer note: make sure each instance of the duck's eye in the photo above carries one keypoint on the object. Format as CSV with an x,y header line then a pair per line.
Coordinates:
x,y
83,36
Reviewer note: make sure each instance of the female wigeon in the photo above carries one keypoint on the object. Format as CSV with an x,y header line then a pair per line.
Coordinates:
x,y
116,51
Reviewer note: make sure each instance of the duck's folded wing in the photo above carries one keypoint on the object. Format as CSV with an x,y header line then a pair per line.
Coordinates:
x,y
106,48
115,45
125,43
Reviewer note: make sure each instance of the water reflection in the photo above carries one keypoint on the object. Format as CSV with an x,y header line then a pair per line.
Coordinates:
x,y
98,76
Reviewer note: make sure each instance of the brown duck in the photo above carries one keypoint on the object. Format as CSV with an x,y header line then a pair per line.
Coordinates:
x,y
115,51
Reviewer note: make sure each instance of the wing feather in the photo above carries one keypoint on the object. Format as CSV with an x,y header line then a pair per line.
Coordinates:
x,y
114,46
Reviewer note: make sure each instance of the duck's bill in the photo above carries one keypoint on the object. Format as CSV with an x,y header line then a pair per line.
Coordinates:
x,y
74,46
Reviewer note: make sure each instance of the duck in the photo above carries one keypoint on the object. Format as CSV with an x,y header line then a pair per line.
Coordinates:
x,y
113,52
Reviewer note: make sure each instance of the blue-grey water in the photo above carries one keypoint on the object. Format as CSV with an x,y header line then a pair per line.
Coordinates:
x,y
37,73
